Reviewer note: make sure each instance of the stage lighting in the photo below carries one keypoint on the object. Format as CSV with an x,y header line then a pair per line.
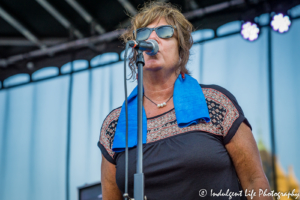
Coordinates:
x,y
250,31
281,23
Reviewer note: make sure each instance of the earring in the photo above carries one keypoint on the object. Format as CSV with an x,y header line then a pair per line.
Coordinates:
x,y
182,75
137,76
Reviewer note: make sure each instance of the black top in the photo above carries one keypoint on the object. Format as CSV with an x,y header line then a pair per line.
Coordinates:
x,y
180,162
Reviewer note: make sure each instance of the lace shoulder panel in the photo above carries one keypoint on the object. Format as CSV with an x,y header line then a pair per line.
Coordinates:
x,y
108,129
222,110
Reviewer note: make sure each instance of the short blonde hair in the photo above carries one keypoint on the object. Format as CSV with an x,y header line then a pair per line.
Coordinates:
x,y
152,11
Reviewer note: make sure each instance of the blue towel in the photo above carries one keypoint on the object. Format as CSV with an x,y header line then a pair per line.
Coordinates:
x,y
190,107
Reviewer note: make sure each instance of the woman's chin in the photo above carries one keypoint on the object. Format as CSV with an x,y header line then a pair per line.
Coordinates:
x,y
153,67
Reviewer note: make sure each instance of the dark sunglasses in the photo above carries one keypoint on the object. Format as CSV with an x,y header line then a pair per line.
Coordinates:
x,y
165,31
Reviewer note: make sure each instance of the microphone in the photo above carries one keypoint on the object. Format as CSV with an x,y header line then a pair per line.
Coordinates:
x,y
150,46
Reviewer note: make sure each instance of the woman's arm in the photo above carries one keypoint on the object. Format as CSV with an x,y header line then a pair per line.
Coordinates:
x,y
244,153
110,190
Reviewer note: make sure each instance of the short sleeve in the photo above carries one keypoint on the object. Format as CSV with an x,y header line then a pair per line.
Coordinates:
x,y
107,134
225,112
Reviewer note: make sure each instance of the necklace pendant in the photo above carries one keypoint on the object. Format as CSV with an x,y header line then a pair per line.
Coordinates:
x,y
160,105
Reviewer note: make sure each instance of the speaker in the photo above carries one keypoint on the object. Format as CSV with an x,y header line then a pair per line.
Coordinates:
x,y
90,192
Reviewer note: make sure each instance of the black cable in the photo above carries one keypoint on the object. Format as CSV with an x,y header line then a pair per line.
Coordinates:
x,y
126,116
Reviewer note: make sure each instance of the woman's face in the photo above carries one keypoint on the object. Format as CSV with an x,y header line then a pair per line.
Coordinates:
x,y
167,57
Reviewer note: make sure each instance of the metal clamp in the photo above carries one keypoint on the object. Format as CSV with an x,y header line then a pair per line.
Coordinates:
x,y
125,195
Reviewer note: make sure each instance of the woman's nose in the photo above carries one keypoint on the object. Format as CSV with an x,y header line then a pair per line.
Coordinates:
x,y
153,35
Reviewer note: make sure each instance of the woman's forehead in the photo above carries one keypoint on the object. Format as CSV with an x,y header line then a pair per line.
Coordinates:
x,y
158,22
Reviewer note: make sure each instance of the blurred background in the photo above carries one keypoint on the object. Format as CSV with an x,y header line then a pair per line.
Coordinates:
x,y
61,73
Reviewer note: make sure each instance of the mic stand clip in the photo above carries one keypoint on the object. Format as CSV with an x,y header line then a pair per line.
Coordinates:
x,y
125,195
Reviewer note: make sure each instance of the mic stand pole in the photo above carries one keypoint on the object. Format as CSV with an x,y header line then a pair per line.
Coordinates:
x,y
139,176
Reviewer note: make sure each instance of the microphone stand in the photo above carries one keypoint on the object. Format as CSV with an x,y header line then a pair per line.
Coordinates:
x,y
152,48
139,176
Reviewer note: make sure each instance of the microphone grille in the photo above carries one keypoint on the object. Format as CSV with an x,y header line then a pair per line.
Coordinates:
x,y
155,47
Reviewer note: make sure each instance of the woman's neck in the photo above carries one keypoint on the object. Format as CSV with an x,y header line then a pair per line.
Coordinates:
x,y
158,86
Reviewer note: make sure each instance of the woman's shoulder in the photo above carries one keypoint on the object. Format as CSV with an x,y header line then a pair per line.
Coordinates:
x,y
110,123
107,134
219,94
216,92
111,117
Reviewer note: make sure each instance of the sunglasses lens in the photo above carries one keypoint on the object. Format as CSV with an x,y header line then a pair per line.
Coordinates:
x,y
165,32
142,34
162,32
